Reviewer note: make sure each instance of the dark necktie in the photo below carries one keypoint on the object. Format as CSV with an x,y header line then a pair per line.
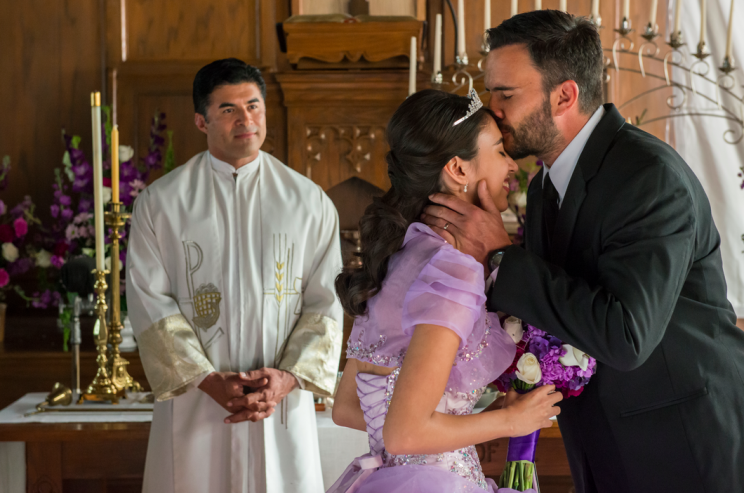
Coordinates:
x,y
550,199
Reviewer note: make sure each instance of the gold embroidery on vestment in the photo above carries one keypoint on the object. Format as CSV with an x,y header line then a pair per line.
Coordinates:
x,y
206,298
172,357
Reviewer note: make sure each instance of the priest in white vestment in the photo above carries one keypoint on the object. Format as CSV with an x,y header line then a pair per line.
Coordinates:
x,y
230,270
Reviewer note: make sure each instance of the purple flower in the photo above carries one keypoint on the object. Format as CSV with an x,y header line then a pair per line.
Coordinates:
x,y
21,208
67,214
20,266
55,210
539,347
58,261
4,278
2,208
65,200
85,205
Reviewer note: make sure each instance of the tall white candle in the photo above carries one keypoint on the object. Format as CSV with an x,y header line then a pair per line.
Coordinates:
x,y
563,7
95,102
702,21
514,7
538,4
461,51
730,31
487,16
438,44
677,16
626,9
412,68
652,14
595,9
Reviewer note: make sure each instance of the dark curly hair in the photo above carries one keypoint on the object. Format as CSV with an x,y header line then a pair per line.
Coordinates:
x,y
422,139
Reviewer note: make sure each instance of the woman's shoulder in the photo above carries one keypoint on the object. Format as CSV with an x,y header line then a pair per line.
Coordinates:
x,y
430,249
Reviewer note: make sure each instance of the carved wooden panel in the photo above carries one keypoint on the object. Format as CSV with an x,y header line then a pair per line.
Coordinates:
x,y
349,147
337,120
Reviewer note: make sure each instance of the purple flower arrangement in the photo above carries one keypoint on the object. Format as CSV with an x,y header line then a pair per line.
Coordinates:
x,y
17,253
555,363
541,359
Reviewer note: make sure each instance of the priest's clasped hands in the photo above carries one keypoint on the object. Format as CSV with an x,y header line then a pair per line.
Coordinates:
x,y
250,396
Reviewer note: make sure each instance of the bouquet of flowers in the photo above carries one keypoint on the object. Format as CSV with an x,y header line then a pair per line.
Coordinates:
x,y
18,254
72,232
541,359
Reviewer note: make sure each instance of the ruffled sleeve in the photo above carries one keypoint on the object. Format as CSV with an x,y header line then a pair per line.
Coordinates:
x,y
449,291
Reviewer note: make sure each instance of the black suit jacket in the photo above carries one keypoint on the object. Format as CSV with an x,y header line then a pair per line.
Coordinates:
x,y
635,279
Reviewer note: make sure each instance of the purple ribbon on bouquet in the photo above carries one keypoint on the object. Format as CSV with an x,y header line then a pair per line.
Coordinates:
x,y
523,448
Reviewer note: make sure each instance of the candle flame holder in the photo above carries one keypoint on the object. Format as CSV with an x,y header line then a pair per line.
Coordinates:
x,y
701,54
101,389
625,27
728,65
651,32
122,380
676,40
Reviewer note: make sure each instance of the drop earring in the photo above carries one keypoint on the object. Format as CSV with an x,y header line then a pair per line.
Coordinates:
x,y
465,188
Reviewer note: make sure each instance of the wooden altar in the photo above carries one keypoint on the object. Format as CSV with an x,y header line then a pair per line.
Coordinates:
x,y
110,457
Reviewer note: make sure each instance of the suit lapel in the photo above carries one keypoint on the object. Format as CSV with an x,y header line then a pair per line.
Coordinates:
x,y
589,162
533,222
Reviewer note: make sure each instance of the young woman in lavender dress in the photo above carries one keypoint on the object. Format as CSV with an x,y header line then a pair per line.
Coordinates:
x,y
423,346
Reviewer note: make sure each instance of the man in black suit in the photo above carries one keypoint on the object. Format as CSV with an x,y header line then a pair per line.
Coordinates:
x,y
621,260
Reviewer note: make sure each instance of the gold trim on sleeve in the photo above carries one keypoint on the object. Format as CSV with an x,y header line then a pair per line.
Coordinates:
x,y
172,357
312,353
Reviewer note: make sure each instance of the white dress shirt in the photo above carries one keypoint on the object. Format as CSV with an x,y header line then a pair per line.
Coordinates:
x,y
563,167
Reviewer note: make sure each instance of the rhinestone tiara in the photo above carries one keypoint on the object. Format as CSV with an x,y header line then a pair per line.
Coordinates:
x,y
475,105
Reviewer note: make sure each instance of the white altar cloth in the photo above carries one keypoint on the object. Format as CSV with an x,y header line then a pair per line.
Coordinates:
x,y
338,446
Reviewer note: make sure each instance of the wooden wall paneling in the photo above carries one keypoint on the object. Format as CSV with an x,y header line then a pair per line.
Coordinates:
x,y
50,62
195,30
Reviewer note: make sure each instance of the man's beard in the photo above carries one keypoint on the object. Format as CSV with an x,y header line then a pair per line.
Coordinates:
x,y
537,135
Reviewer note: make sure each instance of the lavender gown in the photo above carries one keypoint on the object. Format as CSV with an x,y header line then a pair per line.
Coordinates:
x,y
428,282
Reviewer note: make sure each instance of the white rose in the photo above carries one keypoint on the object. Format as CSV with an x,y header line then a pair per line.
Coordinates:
x,y
43,259
519,199
125,153
106,192
10,252
528,369
513,327
108,264
574,357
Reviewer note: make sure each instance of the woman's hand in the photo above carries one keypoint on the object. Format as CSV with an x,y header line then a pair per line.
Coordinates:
x,y
526,413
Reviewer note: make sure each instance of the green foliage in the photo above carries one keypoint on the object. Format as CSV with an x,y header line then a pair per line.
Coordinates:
x,y
170,155
65,320
518,475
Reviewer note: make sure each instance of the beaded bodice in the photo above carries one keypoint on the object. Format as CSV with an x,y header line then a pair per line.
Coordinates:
x,y
375,393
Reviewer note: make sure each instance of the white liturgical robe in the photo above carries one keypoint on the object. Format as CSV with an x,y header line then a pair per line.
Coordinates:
x,y
233,270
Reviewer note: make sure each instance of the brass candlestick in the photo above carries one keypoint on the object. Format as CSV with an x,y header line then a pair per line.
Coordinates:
x,y
121,378
101,388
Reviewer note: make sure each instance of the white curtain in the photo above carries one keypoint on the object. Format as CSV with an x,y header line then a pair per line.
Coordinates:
x,y
700,140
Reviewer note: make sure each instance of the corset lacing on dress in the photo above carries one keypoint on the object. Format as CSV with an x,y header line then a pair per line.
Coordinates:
x,y
375,393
